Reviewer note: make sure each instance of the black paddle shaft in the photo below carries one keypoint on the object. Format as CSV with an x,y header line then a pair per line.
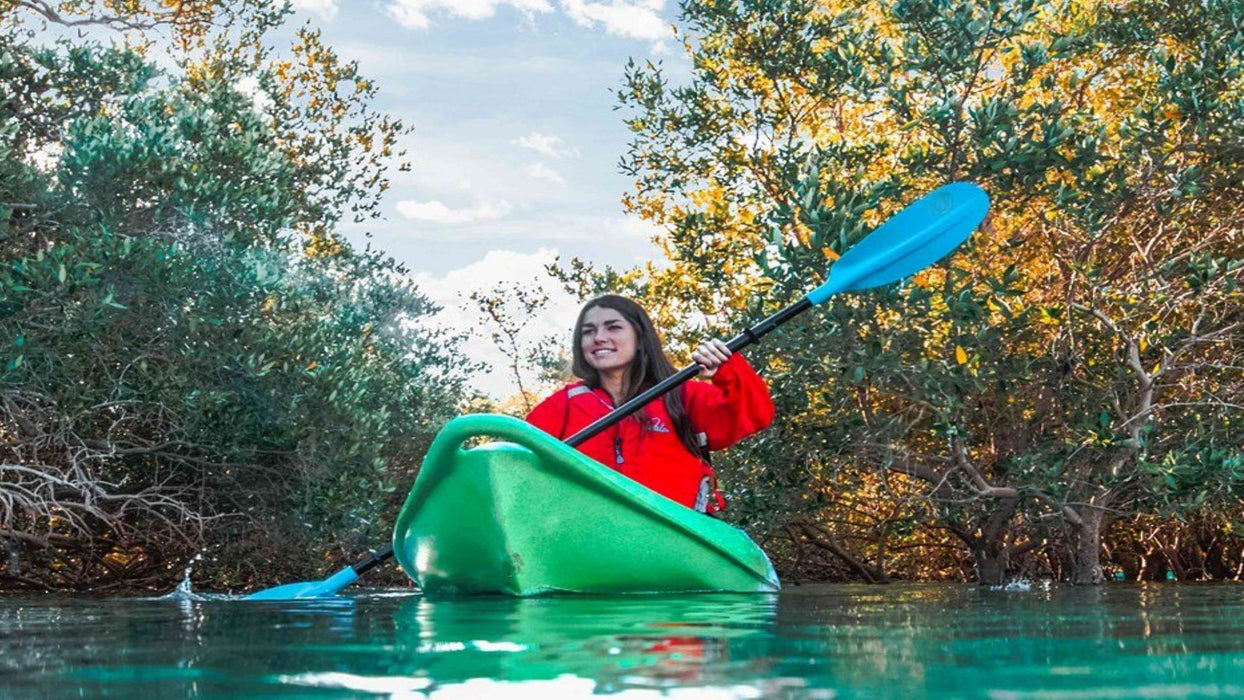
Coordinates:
x,y
738,342
372,560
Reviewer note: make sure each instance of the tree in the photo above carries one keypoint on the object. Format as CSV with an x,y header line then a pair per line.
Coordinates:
x,y
1013,382
193,356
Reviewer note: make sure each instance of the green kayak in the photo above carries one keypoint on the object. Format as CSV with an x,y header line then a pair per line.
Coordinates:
x,y
532,515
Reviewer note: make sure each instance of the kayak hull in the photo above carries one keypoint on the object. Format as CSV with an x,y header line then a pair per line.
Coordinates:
x,y
532,516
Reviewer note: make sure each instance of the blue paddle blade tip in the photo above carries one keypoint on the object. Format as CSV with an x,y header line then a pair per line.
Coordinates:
x,y
306,590
923,233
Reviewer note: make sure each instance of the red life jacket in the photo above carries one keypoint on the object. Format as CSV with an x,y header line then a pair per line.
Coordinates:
x,y
733,405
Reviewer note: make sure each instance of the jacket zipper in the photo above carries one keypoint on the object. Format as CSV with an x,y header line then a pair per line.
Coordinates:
x,y
617,432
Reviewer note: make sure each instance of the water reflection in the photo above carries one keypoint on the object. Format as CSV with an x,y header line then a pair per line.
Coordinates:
x,y
833,640
640,641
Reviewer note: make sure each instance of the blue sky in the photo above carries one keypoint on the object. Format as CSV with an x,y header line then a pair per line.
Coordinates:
x,y
516,141
515,146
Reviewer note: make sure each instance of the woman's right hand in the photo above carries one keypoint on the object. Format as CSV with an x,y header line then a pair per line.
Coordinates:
x,y
710,356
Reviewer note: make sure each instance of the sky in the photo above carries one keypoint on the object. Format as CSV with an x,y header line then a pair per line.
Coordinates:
x,y
516,140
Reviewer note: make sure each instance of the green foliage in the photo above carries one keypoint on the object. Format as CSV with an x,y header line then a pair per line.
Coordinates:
x,y
1078,360
190,356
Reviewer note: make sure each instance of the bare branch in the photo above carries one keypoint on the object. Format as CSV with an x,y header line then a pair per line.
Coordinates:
x,y
1133,348
50,13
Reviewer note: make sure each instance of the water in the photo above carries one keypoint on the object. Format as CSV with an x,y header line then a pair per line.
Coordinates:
x,y
908,641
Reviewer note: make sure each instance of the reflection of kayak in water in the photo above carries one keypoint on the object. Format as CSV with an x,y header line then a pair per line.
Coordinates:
x,y
618,642
533,515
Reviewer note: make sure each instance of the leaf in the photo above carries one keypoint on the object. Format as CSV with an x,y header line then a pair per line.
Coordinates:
x,y
62,274
961,355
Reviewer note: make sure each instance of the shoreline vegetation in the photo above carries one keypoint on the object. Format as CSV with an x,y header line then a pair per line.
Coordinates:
x,y
194,360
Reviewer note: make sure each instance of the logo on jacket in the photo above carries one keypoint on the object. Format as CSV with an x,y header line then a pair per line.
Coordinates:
x,y
658,426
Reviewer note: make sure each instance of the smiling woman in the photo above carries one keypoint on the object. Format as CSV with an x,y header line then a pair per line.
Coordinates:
x,y
618,355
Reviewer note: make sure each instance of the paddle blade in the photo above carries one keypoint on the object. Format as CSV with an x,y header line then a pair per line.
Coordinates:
x,y
916,237
308,589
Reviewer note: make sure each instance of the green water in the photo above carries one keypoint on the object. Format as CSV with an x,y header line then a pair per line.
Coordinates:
x,y
909,641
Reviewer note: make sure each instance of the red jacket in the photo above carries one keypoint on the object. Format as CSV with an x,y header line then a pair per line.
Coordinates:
x,y
733,405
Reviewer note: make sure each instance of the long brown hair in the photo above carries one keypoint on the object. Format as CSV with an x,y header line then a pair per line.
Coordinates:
x,y
647,368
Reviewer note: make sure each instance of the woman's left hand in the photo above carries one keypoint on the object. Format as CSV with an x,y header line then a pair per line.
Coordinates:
x,y
710,356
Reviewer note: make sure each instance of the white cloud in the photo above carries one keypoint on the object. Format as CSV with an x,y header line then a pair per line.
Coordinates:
x,y
634,19
636,227
499,267
324,8
526,226
414,14
249,86
545,144
438,213
540,171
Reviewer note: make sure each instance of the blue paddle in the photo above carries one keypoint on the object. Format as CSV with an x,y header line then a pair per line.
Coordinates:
x,y
918,236
924,232
329,586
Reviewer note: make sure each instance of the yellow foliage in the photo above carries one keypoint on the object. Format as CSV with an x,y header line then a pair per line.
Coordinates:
x,y
320,244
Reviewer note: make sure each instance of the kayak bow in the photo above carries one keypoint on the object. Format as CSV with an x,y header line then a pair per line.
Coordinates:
x,y
533,515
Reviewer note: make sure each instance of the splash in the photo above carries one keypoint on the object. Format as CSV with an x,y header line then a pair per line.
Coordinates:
x,y
184,591
1021,585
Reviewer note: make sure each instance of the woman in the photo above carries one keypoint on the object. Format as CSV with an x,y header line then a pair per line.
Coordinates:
x,y
664,445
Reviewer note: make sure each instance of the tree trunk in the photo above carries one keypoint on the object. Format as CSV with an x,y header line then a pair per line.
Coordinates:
x,y
1087,554
823,539
15,557
989,549
991,565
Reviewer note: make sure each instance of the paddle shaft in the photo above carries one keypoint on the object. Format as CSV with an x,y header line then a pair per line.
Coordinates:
x,y
372,560
738,342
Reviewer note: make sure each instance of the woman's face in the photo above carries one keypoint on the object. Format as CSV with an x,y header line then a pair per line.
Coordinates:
x,y
607,339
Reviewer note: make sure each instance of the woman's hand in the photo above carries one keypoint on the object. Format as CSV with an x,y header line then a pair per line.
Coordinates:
x,y
710,356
